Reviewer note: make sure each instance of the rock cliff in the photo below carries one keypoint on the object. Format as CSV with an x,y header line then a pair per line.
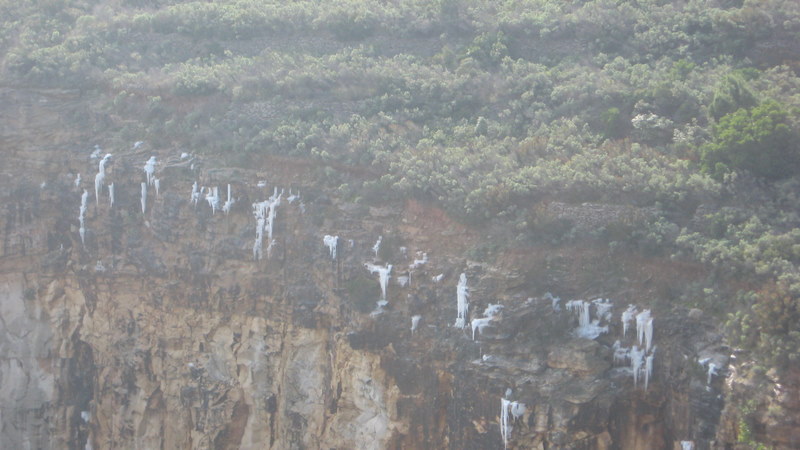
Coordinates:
x,y
160,330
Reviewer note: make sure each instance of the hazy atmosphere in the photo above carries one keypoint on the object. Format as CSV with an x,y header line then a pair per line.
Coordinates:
x,y
400,224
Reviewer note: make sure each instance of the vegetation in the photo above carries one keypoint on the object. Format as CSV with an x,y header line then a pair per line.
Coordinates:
x,y
688,110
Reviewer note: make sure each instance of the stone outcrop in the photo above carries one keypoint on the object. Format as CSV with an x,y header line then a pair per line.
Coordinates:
x,y
163,332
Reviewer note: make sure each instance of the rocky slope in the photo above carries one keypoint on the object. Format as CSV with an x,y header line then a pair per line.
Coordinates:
x,y
160,330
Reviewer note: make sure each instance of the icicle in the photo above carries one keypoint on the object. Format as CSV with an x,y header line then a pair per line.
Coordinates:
x,y
383,276
505,426
331,242
603,307
101,167
414,323
265,218
292,197
157,185
403,280
98,186
213,199
226,208
377,246
111,195
644,329
637,360
195,196
462,301
648,370
518,410
621,354
82,216
479,325
150,169
419,262
712,371
78,181
144,197
587,328
554,301
627,317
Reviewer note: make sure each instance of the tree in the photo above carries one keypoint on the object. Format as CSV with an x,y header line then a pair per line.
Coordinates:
x,y
759,140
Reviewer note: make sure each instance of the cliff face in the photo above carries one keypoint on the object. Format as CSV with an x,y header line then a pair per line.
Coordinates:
x,y
161,331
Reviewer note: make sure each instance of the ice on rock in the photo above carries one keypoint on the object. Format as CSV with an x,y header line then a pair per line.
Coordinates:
x,y
402,280
712,371
264,213
587,328
687,445
331,242
213,199
137,144
438,278
111,195
98,185
78,181
419,262
157,185
82,216
648,370
226,207
144,197
627,318
462,301
383,276
86,416
516,409
492,310
554,301
621,354
479,325
376,248
603,307
644,329
637,363
150,169
505,427
292,197
184,155
196,193
415,322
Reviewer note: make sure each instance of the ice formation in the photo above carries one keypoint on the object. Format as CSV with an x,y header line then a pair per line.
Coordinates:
x,y
213,199
78,181
196,193
150,169
98,185
383,276
137,144
627,317
265,218
184,155
490,313
376,248
292,197
157,185
144,197
415,323
331,242
403,280
99,179
587,328
517,410
644,329
226,207
603,307
82,216
419,262
462,301
687,445
554,301
505,427
111,195
438,278
712,370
